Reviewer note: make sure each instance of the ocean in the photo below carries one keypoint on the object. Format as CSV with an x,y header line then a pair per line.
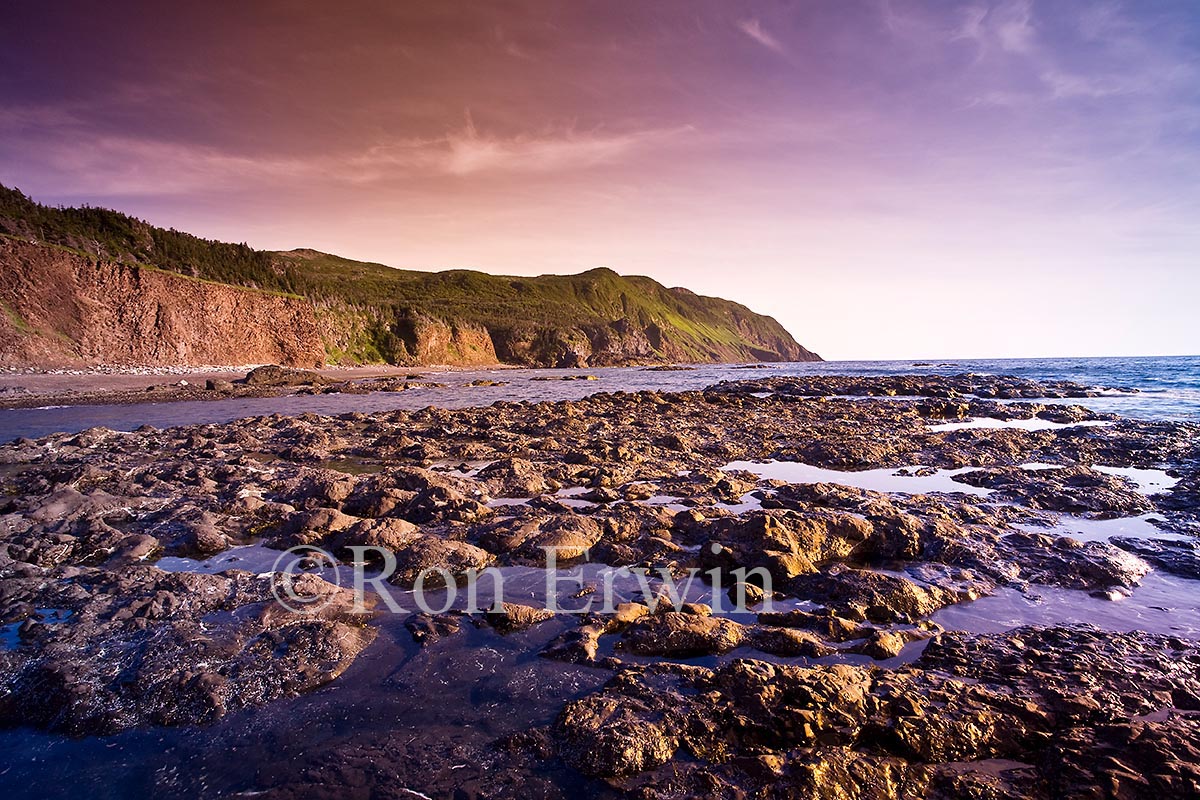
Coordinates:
x,y
1167,388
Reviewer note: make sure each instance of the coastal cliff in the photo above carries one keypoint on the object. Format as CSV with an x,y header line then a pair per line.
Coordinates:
x,y
63,308
597,318
95,286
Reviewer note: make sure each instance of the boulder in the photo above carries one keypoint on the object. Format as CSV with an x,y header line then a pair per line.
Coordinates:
x,y
677,634
516,617
424,554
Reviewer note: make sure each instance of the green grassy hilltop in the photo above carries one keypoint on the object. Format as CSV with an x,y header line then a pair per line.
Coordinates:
x,y
371,312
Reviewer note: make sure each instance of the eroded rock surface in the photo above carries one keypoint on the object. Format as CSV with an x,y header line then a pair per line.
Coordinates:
x,y
1035,713
774,703
100,651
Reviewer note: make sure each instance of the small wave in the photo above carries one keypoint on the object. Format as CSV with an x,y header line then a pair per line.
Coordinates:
x,y
1173,394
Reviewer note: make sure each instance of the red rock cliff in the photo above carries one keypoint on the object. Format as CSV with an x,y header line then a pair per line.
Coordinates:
x,y
63,308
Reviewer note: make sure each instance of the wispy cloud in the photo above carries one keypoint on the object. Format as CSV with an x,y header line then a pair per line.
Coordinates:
x,y
508,45
1029,56
1013,26
1064,85
124,165
469,151
996,27
754,29
84,162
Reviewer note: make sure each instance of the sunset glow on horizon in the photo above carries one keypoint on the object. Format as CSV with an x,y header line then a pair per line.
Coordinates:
x,y
887,178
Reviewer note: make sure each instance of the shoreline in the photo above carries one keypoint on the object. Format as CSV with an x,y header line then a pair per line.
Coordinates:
x,y
127,386
43,389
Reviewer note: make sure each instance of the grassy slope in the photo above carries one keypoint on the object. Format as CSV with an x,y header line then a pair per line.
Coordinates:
x,y
592,298
372,296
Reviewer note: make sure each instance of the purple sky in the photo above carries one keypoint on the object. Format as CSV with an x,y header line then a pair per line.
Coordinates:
x,y
888,178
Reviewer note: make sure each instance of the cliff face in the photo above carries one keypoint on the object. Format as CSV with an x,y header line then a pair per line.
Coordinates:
x,y
64,308
414,337
635,320
596,318
72,294
624,342
356,334
68,308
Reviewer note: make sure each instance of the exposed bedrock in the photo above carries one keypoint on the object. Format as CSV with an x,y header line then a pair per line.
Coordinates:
x,y
1035,713
99,651
70,308
780,703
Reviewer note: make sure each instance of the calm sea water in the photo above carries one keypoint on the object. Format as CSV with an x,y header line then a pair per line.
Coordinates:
x,y
1169,388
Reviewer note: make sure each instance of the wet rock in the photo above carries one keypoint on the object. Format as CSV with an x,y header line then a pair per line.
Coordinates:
x,y
944,409
746,595
576,646
936,386
274,375
513,477
875,596
390,535
368,501
313,527
172,648
568,538
606,737
789,642
516,617
785,544
601,494
881,645
581,645
133,548
1039,713
441,504
1176,557
828,625
1074,490
677,634
627,614
1067,414
318,488
201,540
1082,673
68,527
74,506
1063,561
435,561
67,504
426,629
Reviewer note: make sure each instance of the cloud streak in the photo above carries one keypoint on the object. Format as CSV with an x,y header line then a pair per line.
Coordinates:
x,y
754,29
126,165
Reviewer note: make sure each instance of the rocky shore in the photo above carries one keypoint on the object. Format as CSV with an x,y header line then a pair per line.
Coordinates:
x,y
168,385
122,606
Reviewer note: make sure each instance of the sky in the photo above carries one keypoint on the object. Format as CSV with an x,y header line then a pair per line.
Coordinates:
x,y
887,178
